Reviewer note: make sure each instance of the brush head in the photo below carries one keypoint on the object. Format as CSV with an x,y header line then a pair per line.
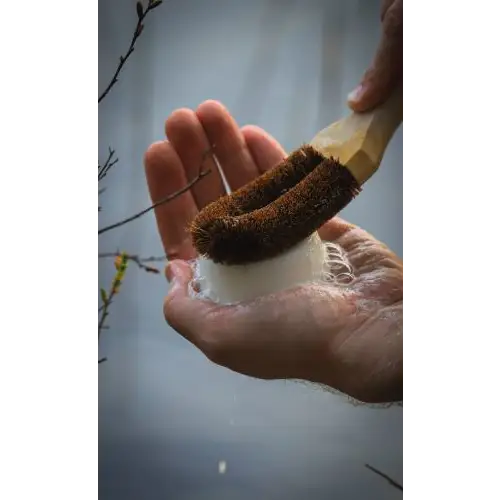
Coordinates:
x,y
276,211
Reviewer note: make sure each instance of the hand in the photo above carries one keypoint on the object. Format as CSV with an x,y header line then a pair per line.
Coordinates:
x,y
386,70
349,338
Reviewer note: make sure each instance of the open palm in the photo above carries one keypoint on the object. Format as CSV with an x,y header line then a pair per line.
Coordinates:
x,y
346,336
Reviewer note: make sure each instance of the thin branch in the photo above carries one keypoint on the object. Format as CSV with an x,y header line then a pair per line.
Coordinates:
x,y
168,198
141,15
139,261
202,173
104,312
107,298
110,161
391,481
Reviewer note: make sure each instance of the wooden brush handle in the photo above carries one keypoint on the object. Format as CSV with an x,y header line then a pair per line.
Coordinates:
x,y
359,140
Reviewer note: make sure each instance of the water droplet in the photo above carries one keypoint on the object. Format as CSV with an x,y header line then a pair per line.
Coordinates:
x,y
222,467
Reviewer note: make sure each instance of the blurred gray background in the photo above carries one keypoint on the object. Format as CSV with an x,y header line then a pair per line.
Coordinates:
x,y
167,416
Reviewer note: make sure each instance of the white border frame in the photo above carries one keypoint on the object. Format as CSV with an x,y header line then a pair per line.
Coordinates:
x,y
49,350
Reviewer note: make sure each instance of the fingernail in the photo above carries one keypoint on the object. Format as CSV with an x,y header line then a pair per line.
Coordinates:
x,y
356,94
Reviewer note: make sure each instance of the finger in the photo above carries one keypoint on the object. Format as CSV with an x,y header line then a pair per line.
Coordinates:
x,y
165,175
266,151
387,67
187,316
185,133
230,146
350,237
364,251
334,229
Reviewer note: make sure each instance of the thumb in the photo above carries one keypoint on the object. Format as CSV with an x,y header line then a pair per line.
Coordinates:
x,y
178,271
185,314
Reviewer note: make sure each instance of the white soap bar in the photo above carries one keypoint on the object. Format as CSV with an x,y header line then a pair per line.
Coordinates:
x,y
225,284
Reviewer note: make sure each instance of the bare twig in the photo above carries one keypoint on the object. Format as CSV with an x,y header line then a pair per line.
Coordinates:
x,y
202,173
140,261
107,298
168,198
104,312
391,481
141,15
102,360
110,161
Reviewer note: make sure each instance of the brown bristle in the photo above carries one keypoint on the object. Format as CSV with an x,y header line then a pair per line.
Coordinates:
x,y
276,211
